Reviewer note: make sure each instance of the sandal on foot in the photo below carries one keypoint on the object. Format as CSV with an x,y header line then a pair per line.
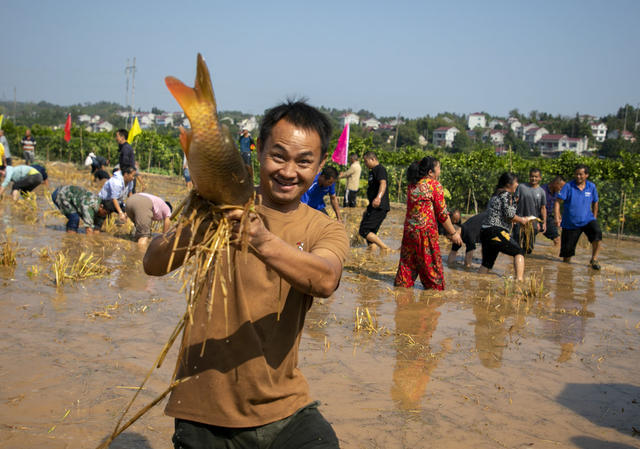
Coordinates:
x,y
595,264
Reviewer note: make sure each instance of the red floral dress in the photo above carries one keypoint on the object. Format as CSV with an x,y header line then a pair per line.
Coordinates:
x,y
420,251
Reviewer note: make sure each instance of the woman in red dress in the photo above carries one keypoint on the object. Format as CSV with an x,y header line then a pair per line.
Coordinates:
x,y
420,251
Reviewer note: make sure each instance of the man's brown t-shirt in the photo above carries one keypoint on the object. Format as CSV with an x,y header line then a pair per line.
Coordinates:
x,y
248,375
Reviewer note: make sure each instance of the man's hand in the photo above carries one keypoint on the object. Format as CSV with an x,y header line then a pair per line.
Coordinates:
x,y
376,202
254,228
456,238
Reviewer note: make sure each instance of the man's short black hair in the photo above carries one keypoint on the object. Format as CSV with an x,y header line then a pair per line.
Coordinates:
x,y
534,170
123,132
582,166
329,173
370,155
299,114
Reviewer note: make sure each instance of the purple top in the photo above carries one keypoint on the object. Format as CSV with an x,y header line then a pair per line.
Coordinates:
x,y
160,208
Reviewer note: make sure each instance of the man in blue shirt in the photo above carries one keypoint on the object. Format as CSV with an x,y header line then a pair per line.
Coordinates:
x,y
323,183
117,189
580,198
246,146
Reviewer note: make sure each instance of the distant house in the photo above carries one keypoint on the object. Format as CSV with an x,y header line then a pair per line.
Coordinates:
x,y
533,135
557,143
514,124
599,131
523,130
476,120
146,119
94,119
493,124
496,136
164,120
395,121
444,136
350,118
84,118
371,123
102,125
626,135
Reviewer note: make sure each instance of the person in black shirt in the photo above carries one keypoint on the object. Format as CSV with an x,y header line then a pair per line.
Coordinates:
x,y
126,157
470,236
378,196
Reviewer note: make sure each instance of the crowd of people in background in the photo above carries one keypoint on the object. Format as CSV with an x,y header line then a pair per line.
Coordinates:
x,y
115,192
515,213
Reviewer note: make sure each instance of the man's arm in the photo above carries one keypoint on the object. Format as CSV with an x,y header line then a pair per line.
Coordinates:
x,y
348,172
594,209
315,273
335,206
121,214
543,215
166,224
383,186
556,212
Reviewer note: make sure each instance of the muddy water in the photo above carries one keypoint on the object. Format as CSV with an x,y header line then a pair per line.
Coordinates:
x,y
479,365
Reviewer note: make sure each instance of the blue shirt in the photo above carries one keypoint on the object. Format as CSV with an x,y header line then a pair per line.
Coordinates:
x,y
314,197
114,188
577,204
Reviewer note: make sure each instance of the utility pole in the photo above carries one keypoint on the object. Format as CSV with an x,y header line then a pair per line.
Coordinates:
x,y
130,70
626,107
395,140
126,91
15,120
635,125
133,87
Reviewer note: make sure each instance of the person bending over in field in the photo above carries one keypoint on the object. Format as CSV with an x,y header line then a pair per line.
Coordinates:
x,y
244,388
77,204
495,234
143,209
324,183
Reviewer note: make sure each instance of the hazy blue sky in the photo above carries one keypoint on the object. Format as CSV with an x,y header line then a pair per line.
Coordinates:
x,y
389,57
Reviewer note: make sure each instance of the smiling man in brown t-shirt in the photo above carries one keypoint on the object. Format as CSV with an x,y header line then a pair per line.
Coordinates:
x,y
245,389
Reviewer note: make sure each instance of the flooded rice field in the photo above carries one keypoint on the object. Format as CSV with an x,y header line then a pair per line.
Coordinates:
x,y
552,363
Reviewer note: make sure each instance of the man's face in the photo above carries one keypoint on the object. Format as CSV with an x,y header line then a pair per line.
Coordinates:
x,y
580,175
325,182
120,138
128,177
370,162
558,185
290,158
455,217
534,178
27,132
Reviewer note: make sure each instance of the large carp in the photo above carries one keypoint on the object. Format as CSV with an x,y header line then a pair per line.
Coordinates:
x,y
216,166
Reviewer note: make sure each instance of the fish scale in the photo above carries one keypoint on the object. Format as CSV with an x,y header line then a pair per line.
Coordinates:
x,y
216,167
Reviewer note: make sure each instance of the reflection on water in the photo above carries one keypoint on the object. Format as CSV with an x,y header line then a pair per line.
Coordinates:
x,y
478,365
416,321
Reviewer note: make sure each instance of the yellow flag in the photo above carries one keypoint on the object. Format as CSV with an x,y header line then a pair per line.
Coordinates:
x,y
1,117
134,131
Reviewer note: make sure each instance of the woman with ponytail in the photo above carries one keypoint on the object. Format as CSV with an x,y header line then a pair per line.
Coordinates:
x,y
496,228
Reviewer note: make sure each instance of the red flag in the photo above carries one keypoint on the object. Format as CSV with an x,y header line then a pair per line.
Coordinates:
x,y
67,129
342,148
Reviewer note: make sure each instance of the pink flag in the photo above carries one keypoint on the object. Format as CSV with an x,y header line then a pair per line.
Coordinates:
x,y
67,129
342,148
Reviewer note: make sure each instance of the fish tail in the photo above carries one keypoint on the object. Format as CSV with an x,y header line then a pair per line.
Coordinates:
x,y
192,99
